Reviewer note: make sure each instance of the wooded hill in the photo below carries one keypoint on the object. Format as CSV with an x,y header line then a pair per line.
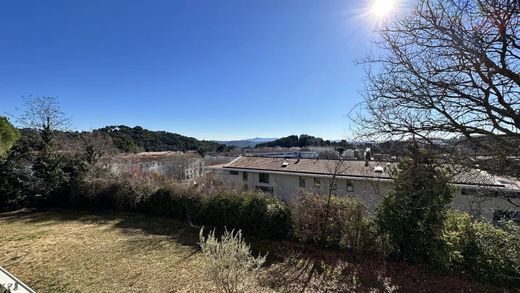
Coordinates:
x,y
303,140
128,139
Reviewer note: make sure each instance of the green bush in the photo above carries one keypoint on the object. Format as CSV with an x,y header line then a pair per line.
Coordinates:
x,y
175,201
100,193
8,135
480,249
16,180
412,216
343,223
13,192
256,214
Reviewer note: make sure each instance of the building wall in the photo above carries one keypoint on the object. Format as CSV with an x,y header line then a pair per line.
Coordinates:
x,y
371,192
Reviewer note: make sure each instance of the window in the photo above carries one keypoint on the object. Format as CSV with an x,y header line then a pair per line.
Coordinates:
x,y
233,172
317,182
264,189
302,182
350,185
468,191
500,215
244,176
263,178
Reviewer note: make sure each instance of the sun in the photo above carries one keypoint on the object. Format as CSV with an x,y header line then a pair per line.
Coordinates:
x,y
382,8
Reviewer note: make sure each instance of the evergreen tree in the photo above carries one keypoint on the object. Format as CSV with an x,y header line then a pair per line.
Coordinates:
x,y
412,215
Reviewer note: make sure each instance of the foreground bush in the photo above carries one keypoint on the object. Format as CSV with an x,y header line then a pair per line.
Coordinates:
x,y
485,251
256,214
412,216
228,261
341,223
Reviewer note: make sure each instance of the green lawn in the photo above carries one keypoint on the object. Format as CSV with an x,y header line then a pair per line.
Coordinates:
x,y
71,251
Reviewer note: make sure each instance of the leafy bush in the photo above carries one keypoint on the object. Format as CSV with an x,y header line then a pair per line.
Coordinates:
x,y
343,223
229,262
411,217
8,135
256,214
174,201
485,251
12,190
16,180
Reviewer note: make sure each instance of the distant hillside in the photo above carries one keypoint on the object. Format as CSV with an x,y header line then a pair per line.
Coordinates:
x,y
303,140
135,139
245,143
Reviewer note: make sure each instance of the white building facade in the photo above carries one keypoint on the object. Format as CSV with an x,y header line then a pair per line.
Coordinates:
x,y
286,178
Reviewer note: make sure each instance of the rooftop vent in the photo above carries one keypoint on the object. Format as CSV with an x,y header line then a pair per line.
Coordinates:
x,y
285,164
379,169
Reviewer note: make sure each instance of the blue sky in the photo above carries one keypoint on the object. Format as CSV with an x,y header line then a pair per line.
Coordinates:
x,y
210,69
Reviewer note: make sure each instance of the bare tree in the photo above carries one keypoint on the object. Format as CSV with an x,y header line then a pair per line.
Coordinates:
x,y
450,70
96,146
44,115
183,166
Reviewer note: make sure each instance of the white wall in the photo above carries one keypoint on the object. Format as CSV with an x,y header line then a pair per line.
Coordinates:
x,y
371,192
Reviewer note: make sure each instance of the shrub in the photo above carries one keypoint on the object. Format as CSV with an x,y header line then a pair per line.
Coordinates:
x,y
13,193
16,180
346,223
102,193
103,189
229,262
8,135
411,217
485,251
174,201
256,214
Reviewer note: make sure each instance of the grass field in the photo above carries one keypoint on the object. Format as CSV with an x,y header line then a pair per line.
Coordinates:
x,y
71,251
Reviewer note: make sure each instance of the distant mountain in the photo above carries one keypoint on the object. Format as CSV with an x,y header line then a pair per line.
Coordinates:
x,y
245,143
260,139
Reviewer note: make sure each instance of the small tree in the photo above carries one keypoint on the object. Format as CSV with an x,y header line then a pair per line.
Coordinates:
x,y
229,262
8,135
44,115
411,217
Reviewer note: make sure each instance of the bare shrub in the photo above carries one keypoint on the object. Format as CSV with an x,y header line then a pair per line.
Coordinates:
x,y
343,218
228,261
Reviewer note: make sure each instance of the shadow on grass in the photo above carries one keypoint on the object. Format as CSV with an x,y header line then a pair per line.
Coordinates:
x,y
125,222
299,268
290,268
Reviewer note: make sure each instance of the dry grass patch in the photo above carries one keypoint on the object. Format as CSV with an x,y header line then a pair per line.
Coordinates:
x,y
70,251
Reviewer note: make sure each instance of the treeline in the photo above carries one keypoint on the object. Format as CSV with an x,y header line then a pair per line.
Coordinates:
x,y
135,139
303,140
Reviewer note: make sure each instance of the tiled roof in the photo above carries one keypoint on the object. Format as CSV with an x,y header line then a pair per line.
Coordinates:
x,y
313,166
347,168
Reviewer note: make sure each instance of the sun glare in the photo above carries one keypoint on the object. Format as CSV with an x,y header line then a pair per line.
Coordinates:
x,y
382,8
